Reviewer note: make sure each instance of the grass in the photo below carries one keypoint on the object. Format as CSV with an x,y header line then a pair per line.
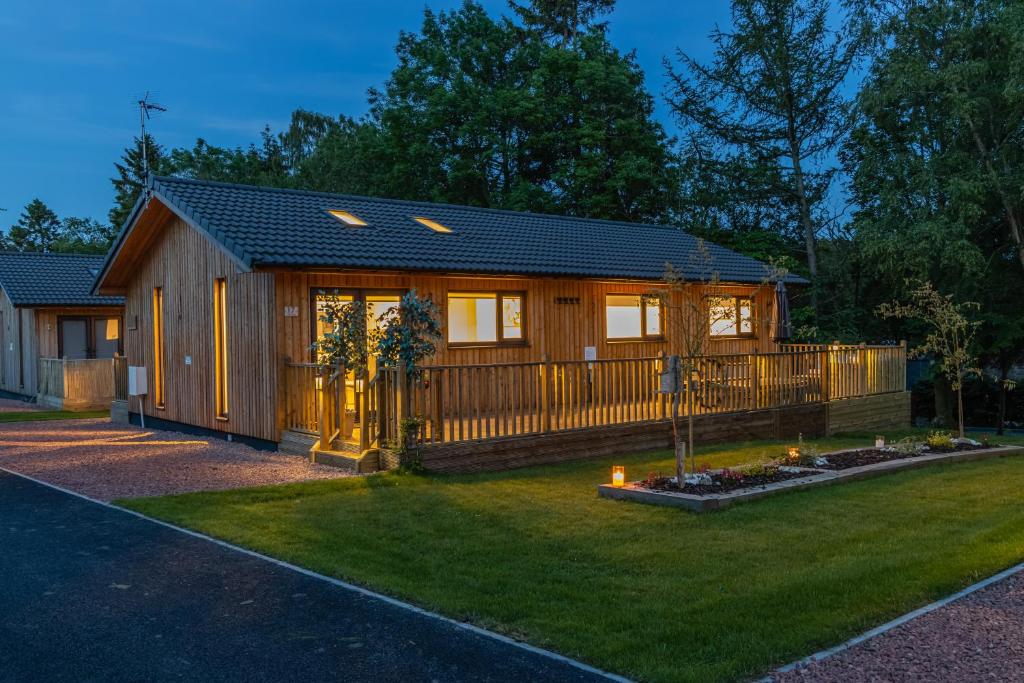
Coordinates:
x,y
34,415
654,593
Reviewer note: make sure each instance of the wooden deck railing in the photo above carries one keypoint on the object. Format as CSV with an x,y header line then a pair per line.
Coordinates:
x,y
479,402
83,381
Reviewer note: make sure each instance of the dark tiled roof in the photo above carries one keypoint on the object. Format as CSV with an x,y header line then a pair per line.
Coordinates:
x,y
274,227
37,279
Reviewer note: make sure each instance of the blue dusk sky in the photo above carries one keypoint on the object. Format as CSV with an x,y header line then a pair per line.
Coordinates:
x,y
73,70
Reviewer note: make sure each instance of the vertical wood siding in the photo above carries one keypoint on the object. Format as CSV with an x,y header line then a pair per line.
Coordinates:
x,y
560,330
185,263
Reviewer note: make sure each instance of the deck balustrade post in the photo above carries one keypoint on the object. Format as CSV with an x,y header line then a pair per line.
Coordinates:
x,y
825,376
364,415
863,366
755,380
545,402
401,396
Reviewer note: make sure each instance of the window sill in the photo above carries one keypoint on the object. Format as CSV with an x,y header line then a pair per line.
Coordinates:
x,y
733,337
488,345
222,418
637,340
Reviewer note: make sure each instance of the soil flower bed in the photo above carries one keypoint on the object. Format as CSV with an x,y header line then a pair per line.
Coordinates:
x,y
708,482
842,460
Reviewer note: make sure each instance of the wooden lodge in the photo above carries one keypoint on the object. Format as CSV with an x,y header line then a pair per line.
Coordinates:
x,y
57,339
555,330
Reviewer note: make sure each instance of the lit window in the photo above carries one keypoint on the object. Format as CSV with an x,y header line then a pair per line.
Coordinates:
x,y
730,316
632,316
433,225
485,318
220,346
347,218
158,346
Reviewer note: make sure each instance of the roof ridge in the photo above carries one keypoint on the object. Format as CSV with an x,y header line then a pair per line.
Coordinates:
x,y
418,202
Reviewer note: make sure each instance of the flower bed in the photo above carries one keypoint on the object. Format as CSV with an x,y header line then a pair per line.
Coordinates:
x,y
725,480
800,468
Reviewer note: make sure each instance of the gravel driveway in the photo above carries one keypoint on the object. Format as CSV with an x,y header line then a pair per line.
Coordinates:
x,y
107,461
977,638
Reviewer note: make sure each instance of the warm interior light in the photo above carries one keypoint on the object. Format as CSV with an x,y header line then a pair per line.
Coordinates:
x,y
347,218
433,225
618,475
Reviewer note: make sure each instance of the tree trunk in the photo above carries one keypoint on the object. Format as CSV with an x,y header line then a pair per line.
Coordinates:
x,y
1004,375
960,409
678,447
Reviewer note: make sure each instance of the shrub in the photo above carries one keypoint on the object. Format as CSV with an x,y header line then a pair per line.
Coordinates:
x,y
940,440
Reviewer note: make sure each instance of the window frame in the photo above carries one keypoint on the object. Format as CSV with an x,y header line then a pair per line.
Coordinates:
x,y
644,336
737,299
90,333
499,328
355,293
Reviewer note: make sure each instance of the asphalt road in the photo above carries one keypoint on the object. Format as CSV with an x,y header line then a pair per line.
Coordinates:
x,y
90,593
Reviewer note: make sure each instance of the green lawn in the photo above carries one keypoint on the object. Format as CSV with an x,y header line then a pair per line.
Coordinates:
x,y
33,415
653,593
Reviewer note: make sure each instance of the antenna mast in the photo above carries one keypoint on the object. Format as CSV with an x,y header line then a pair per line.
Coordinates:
x,y
145,107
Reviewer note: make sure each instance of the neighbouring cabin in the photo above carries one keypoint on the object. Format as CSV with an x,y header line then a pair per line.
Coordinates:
x,y
57,339
550,323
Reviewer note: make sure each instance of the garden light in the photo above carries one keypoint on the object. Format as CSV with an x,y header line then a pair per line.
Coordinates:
x,y
793,452
618,475
879,441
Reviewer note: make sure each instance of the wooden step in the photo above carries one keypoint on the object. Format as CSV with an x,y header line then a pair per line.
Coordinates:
x,y
350,462
296,443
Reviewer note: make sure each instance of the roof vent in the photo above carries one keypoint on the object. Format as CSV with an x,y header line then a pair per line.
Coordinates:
x,y
347,218
433,225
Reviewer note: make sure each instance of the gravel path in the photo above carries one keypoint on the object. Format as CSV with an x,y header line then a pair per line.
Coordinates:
x,y
107,461
977,638
12,405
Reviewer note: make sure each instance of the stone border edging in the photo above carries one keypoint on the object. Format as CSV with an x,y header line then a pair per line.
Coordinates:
x,y
718,501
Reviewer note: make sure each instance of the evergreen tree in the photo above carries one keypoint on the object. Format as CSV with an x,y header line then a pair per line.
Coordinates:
x,y
768,112
37,229
482,111
936,162
131,179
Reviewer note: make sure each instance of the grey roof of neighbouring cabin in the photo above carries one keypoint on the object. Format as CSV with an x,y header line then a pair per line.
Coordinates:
x,y
45,279
277,227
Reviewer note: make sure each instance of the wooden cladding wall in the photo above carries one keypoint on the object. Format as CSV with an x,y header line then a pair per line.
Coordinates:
x,y
598,442
185,263
562,315
18,359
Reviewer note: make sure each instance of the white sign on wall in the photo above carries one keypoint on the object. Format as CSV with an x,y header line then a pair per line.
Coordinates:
x,y
188,360
291,311
589,353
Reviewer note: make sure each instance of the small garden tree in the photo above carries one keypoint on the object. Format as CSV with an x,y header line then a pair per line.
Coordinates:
x,y
408,334
345,341
949,335
692,304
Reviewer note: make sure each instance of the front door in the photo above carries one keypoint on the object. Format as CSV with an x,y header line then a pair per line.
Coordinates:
x,y
377,303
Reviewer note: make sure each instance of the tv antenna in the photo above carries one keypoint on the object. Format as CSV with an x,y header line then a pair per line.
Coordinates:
x,y
145,107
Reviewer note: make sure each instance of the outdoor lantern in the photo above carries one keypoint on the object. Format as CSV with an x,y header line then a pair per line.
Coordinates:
x,y
618,475
879,441
793,452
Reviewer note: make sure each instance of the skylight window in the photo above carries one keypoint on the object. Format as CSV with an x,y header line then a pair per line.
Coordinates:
x,y
347,218
433,225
